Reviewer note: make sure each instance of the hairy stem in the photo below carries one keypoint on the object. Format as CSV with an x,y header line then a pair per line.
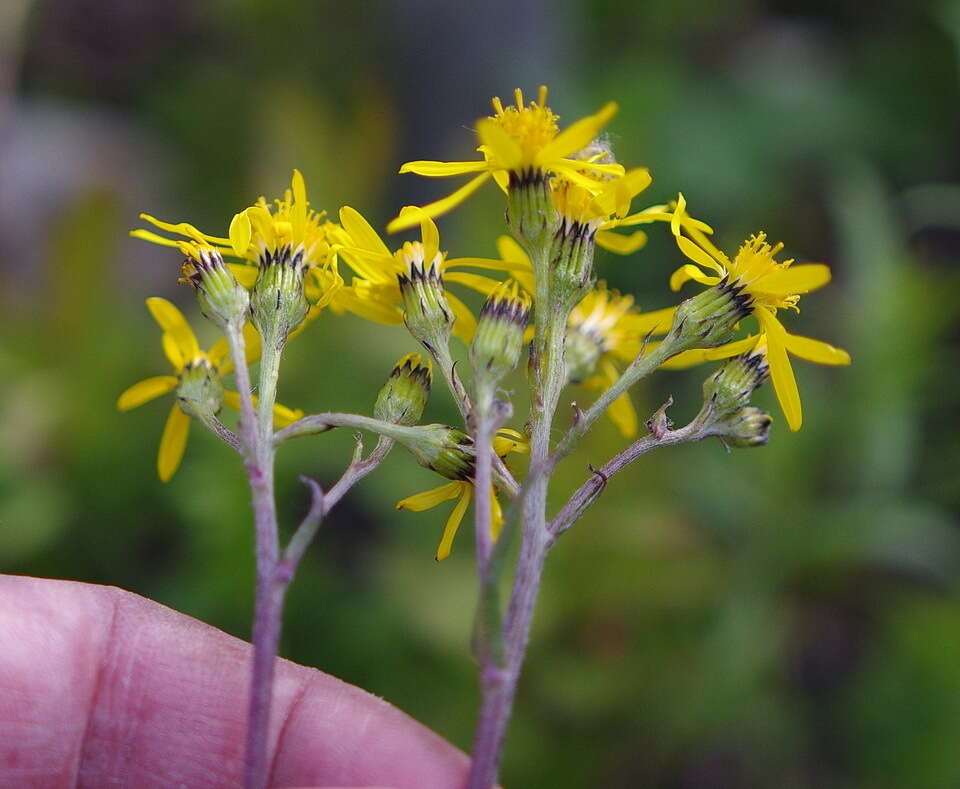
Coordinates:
x,y
448,369
500,673
590,490
638,369
270,591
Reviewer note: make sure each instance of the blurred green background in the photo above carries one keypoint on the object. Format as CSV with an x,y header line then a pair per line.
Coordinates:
x,y
787,616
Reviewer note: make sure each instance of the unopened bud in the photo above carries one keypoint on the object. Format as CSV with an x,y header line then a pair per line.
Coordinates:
x,y
571,262
277,302
426,313
222,299
707,319
531,214
442,449
405,394
498,342
748,427
730,387
199,390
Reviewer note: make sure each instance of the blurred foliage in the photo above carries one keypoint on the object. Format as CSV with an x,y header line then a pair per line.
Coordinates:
x,y
778,617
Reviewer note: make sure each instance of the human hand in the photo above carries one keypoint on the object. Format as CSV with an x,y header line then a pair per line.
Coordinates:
x,y
100,687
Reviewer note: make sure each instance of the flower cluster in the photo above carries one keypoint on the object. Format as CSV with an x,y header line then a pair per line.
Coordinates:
x,y
282,263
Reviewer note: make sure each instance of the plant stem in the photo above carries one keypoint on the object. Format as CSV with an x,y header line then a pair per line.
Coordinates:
x,y
448,369
499,674
638,369
590,490
270,590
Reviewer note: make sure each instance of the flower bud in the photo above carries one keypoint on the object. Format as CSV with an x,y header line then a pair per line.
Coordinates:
x,y
571,262
730,387
277,302
222,299
531,214
498,342
405,394
442,449
748,427
426,313
199,390
707,319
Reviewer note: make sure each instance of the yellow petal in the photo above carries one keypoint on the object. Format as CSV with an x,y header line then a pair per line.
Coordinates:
x,y
816,350
145,391
186,229
698,255
504,151
485,263
453,523
431,498
298,211
172,443
620,244
370,309
496,515
219,352
781,372
509,441
508,249
231,399
578,135
479,283
570,171
657,322
443,169
700,355
466,324
801,278
687,272
361,232
240,233
245,274
429,234
283,416
171,320
153,238
441,206
172,351
621,410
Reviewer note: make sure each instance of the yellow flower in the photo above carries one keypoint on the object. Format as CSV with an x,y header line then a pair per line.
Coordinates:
x,y
286,231
517,143
764,285
506,442
184,354
604,330
375,293
600,212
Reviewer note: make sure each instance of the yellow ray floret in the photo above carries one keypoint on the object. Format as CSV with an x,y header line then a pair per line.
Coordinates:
x,y
285,230
506,442
184,354
606,328
768,285
375,293
520,139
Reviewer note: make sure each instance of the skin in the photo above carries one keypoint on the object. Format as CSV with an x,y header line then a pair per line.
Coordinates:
x,y
103,688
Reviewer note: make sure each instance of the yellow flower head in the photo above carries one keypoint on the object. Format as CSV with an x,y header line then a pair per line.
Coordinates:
x,y
286,231
375,292
506,442
763,285
603,330
189,361
521,142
